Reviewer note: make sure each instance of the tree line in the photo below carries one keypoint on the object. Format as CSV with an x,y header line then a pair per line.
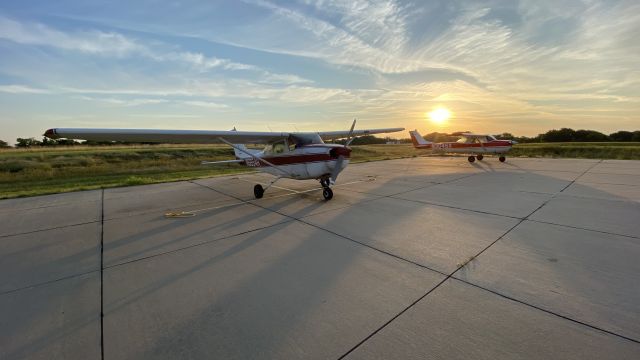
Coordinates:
x,y
551,136
562,135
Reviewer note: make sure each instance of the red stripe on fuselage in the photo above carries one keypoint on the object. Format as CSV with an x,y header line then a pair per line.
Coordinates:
x,y
298,159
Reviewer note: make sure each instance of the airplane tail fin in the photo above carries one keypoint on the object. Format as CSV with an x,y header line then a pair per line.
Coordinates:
x,y
238,150
417,139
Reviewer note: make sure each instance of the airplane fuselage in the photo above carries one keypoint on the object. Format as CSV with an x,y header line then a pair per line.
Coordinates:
x,y
305,162
491,147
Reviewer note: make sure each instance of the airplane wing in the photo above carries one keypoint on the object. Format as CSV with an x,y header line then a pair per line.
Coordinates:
x,y
167,136
193,136
331,135
467,134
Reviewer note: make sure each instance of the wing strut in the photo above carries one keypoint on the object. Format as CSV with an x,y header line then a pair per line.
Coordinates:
x,y
255,157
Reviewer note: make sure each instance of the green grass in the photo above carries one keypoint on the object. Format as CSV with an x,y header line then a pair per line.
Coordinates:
x,y
605,150
37,171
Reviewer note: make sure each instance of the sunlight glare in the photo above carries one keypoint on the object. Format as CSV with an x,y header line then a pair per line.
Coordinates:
x,y
439,116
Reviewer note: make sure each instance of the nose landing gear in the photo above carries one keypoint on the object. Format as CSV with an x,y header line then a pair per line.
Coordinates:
x,y
502,159
327,193
258,191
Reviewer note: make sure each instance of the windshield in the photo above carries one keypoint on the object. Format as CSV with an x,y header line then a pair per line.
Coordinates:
x,y
305,139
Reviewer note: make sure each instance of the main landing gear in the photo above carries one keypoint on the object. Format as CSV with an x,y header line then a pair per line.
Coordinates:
x,y
327,193
258,191
480,157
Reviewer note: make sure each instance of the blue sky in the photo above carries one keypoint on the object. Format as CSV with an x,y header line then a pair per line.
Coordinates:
x,y
517,66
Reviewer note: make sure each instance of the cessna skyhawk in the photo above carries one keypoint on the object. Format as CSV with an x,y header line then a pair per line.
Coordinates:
x,y
468,144
299,155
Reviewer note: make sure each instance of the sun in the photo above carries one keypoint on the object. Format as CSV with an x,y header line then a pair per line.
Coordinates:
x,y
439,116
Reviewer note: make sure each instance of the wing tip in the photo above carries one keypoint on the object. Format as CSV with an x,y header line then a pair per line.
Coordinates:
x,y
51,134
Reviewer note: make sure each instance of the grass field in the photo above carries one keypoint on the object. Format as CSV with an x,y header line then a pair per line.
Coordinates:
x,y
28,172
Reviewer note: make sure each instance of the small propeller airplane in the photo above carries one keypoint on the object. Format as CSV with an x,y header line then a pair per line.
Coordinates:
x,y
467,144
299,155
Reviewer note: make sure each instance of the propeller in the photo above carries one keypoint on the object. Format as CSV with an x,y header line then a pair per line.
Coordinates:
x,y
341,152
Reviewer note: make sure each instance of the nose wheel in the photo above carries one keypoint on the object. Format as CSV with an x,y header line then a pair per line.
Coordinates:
x,y
327,193
258,191
502,159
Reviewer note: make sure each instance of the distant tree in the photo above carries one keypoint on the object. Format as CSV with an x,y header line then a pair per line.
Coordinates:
x,y
27,142
440,137
58,142
636,136
562,135
621,136
367,140
590,136
4,145
505,136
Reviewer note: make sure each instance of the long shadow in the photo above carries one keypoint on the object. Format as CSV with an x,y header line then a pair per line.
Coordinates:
x,y
281,286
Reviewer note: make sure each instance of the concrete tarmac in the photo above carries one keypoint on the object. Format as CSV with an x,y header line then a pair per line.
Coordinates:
x,y
420,258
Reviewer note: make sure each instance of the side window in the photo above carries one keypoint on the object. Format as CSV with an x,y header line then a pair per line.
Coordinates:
x,y
278,148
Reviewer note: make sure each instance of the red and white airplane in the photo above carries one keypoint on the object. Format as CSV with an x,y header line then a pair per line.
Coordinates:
x,y
467,144
300,155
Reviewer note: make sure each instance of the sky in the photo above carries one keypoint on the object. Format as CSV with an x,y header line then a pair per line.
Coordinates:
x,y
498,66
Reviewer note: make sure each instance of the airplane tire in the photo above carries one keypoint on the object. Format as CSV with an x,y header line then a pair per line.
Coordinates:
x,y
327,193
471,159
258,191
502,159
480,157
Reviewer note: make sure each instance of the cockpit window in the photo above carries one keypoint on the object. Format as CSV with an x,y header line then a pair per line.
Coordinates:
x,y
305,139
278,148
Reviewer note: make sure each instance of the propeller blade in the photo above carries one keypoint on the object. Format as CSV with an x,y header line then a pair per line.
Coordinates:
x,y
349,139
336,168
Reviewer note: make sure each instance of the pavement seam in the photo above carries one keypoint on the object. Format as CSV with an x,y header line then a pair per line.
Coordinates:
x,y
447,277
393,318
102,277
194,245
585,229
48,229
547,311
47,282
563,189
300,219
427,293
452,275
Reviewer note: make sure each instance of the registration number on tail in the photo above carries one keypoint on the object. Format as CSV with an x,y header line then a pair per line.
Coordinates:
x,y
252,162
441,146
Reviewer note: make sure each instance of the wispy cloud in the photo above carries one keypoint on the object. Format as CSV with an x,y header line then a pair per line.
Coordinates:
x,y
22,89
495,64
94,41
119,45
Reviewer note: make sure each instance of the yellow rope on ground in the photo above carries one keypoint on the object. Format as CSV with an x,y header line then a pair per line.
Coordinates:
x,y
192,213
179,214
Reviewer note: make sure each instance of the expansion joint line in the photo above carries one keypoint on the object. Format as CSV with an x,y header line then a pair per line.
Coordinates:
x,y
465,264
102,276
449,276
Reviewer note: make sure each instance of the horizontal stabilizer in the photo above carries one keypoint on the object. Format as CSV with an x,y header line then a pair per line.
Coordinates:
x,y
235,161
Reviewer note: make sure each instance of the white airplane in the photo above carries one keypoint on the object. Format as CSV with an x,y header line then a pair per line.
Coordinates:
x,y
300,155
467,144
